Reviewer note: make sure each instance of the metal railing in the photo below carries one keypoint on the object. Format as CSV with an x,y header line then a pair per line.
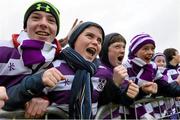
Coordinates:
x,y
19,114
102,112
107,110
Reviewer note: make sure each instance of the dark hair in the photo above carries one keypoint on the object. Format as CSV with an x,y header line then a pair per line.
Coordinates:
x,y
169,53
117,38
79,29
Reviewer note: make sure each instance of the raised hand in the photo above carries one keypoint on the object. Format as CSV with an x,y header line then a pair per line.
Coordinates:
x,y
64,40
119,74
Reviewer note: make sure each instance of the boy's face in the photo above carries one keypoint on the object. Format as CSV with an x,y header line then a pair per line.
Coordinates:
x,y
41,26
177,57
146,52
116,53
88,43
160,61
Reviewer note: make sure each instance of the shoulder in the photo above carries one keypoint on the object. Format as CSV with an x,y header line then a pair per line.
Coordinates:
x,y
103,72
6,43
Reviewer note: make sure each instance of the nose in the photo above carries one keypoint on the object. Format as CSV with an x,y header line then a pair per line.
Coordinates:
x,y
151,51
43,23
122,50
95,41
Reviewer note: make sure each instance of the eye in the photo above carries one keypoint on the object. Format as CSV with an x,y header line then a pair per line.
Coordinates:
x,y
146,48
35,17
99,40
52,20
117,46
90,36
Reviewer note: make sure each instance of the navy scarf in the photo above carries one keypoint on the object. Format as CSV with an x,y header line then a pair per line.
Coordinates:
x,y
80,100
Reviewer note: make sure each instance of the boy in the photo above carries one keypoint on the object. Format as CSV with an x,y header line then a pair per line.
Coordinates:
x,y
32,50
111,56
145,73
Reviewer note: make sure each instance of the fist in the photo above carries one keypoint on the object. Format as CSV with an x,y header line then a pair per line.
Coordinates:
x,y
150,87
51,77
119,74
133,89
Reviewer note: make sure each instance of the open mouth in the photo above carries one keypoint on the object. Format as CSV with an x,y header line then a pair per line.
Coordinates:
x,y
91,51
120,58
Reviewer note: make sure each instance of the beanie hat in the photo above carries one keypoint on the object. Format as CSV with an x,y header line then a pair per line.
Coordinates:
x,y
79,29
156,55
104,51
137,42
45,6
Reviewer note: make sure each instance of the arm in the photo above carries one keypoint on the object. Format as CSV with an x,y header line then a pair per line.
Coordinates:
x,y
31,86
112,93
19,94
168,89
64,40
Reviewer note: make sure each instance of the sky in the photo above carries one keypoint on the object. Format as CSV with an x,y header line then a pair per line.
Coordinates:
x,y
159,18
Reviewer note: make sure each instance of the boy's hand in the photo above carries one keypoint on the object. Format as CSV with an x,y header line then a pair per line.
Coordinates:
x,y
133,89
36,108
178,79
51,77
3,96
150,87
119,74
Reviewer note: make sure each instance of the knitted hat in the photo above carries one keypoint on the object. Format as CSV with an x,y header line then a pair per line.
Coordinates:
x,y
45,6
156,55
137,42
79,29
108,40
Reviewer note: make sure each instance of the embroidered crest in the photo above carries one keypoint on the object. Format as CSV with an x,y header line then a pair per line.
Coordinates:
x,y
101,84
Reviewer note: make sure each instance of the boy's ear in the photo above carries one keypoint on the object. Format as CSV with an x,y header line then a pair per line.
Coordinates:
x,y
25,30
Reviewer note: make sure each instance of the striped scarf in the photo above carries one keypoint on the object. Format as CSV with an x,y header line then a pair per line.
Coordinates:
x,y
30,56
80,101
36,54
143,71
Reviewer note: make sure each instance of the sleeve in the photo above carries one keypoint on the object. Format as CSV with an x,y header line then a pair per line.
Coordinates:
x,y
19,94
168,89
141,94
112,93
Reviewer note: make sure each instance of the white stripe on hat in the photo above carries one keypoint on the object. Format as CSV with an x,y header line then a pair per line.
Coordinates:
x,y
140,41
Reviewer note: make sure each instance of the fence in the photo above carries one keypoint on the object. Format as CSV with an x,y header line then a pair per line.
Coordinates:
x,y
19,114
105,110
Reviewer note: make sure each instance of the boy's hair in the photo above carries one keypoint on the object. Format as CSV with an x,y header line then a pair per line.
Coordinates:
x,y
117,38
169,53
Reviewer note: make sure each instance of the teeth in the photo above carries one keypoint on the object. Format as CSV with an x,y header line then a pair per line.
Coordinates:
x,y
92,51
42,33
